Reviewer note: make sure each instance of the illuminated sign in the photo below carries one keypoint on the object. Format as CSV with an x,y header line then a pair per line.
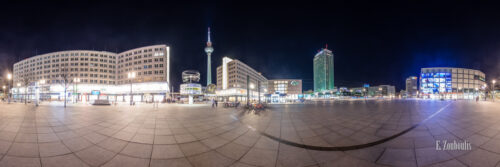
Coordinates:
x,y
294,83
432,83
96,92
190,89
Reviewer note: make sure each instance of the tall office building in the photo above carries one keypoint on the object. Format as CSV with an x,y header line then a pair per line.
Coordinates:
x,y
209,49
411,86
232,80
323,71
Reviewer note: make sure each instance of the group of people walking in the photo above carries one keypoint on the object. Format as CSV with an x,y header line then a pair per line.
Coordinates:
x,y
214,103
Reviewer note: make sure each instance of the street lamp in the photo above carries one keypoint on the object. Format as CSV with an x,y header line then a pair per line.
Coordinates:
x,y
76,81
9,78
493,89
131,75
252,86
3,87
485,90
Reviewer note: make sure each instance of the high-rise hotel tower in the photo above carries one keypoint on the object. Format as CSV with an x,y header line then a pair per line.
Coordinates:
x,y
323,71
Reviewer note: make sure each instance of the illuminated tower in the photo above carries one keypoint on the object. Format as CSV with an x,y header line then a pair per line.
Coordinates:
x,y
209,51
323,71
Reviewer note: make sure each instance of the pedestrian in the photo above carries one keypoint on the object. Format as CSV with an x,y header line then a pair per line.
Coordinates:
x,y
213,103
216,103
477,99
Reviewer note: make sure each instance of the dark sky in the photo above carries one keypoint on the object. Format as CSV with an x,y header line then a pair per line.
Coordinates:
x,y
373,42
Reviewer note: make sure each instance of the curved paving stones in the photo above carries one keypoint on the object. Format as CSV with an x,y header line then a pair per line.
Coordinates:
x,y
177,135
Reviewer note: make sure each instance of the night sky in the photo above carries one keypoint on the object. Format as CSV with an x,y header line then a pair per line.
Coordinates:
x,y
375,42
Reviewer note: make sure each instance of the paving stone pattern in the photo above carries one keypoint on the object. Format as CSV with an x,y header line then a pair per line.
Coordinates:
x,y
198,135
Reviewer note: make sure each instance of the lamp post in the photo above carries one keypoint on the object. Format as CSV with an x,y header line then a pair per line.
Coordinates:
x,y
252,86
485,90
258,90
9,78
364,93
18,90
493,89
131,75
3,87
76,81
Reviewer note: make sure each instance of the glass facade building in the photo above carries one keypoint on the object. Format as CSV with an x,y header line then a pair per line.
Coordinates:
x,y
323,71
445,82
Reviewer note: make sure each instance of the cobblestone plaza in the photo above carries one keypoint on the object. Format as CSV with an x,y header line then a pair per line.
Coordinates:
x,y
340,133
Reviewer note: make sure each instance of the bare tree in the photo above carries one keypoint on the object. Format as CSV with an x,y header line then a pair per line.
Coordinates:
x,y
26,80
65,80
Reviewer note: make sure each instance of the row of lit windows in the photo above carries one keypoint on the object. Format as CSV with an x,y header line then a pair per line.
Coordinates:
x,y
448,80
141,51
452,70
146,79
280,82
137,57
138,68
139,62
158,72
241,74
63,65
81,81
244,69
70,70
39,59
71,74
